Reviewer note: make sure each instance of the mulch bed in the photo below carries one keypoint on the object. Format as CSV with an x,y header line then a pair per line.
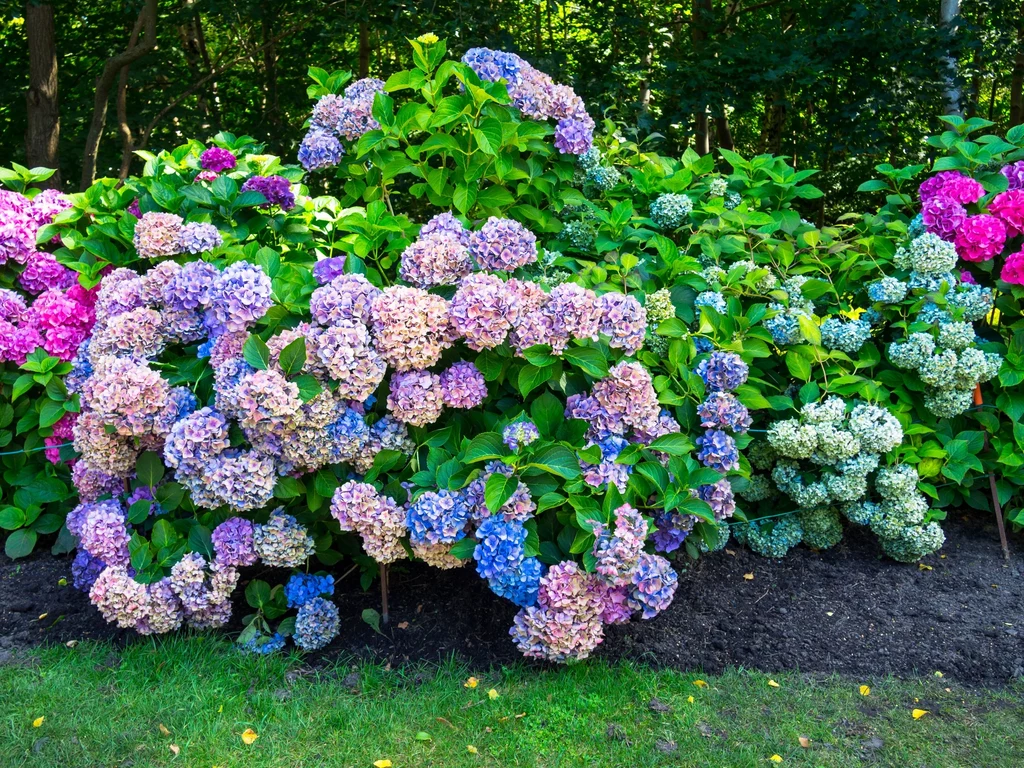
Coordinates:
x,y
845,610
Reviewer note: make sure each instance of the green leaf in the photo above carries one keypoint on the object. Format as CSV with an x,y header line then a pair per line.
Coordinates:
x,y
164,534
372,617
11,518
308,386
257,594
293,356
588,360
548,413
498,490
50,413
558,460
149,469
20,543
288,488
486,446
463,549
22,385
139,511
531,377
675,444
256,353
200,540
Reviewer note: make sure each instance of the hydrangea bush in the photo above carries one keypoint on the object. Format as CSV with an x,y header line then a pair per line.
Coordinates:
x,y
517,343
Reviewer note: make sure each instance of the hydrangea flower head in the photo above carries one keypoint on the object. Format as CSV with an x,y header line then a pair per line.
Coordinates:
x,y
503,244
217,159
463,386
723,371
500,547
233,542
157,235
436,518
303,587
519,433
316,624
276,189
980,238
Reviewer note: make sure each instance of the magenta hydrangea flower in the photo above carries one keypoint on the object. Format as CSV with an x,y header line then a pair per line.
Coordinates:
x,y
503,244
1013,269
953,186
463,386
980,238
416,397
943,216
1009,206
217,159
157,235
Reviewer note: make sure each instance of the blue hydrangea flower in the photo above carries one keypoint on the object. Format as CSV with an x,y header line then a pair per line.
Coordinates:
x,y
303,587
846,336
437,518
316,624
670,210
263,645
888,290
711,299
501,546
718,451
703,344
521,584
723,371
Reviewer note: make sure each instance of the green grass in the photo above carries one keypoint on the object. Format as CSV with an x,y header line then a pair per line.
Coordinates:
x,y
107,708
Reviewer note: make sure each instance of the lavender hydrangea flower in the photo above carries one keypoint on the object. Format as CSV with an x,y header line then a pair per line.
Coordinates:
x,y
623,321
85,569
239,298
718,451
653,586
281,542
503,244
416,397
722,410
104,532
608,471
463,386
720,498
320,149
480,311
574,136
519,434
233,542
439,257
325,270
198,237
723,371
617,554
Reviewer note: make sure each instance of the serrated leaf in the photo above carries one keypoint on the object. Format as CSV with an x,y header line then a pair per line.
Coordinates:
x,y
256,353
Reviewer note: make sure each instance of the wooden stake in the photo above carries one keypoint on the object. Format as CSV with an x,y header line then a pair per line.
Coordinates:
x,y
978,400
384,617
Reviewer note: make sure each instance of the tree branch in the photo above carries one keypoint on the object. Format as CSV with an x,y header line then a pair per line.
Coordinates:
x,y
106,81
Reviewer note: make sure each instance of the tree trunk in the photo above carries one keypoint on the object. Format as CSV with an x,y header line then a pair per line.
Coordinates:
x,y
42,133
192,47
127,141
205,54
701,19
724,132
106,81
773,123
1017,78
364,49
948,11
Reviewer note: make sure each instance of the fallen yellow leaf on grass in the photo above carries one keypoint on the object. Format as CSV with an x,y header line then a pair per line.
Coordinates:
x,y
471,683
700,683
865,690
919,713
382,764
690,699
472,750
748,576
804,742
773,684
38,722
923,567
163,729
938,674
249,736
492,694
174,748
776,758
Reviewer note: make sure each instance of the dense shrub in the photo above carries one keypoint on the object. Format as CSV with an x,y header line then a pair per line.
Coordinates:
x,y
497,356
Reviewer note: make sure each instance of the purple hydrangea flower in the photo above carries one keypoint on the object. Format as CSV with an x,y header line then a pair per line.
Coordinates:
x,y
718,451
719,497
217,159
723,371
503,244
574,136
198,237
233,542
320,149
463,386
519,434
653,585
239,298
722,410
325,270
277,190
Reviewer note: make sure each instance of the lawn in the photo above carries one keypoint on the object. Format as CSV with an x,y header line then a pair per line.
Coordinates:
x,y
188,701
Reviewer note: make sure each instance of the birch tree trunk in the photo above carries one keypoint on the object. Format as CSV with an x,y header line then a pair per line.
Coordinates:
x,y
948,11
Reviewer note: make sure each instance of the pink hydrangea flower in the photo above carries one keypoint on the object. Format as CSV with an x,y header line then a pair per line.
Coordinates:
x,y
980,238
1009,206
416,397
1013,269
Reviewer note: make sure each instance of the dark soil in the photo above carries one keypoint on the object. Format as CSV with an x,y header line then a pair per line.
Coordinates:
x,y
846,610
